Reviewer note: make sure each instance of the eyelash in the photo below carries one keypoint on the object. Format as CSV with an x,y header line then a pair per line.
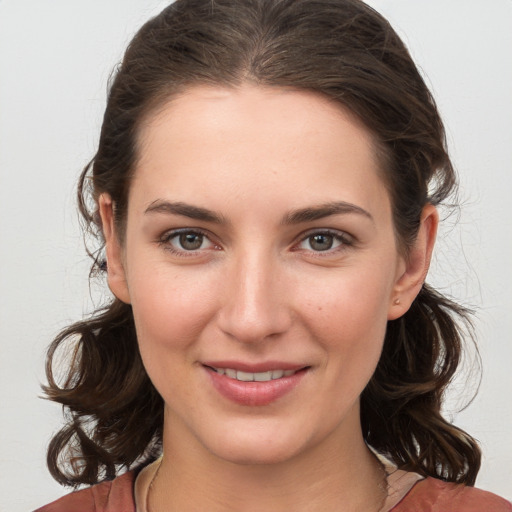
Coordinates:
x,y
344,239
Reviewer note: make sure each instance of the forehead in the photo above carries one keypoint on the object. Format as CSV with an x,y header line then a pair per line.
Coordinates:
x,y
243,139
293,112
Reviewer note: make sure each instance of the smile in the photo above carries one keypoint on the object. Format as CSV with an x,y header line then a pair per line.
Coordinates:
x,y
258,387
254,377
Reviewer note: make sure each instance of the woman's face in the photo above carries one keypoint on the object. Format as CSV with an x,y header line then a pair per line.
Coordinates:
x,y
262,266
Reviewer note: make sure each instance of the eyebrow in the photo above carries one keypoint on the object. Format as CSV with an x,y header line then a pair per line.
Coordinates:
x,y
184,209
298,216
324,210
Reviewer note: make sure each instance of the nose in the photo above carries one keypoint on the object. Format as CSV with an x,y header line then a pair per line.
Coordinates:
x,y
254,305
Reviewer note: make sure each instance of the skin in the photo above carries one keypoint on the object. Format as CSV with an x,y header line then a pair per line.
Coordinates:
x,y
258,289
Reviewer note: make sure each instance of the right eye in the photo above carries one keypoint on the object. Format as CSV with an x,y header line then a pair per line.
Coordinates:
x,y
186,241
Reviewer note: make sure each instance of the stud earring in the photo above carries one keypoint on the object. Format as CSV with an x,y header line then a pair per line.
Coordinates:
x,y
396,302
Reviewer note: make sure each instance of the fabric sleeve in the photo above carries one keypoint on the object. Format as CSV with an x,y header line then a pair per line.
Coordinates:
x,y
432,495
114,496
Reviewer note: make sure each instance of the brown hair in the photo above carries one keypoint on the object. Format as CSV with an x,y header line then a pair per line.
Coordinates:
x,y
341,49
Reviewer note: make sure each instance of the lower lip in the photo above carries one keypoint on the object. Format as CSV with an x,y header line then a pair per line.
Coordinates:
x,y
254,393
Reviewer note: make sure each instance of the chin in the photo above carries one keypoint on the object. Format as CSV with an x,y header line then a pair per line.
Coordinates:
x,y
256,455
258,445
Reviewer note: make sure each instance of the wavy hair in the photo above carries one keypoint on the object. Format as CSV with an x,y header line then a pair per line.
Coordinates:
x,y
343,50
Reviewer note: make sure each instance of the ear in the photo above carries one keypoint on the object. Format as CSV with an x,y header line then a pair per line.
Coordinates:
x,y
416,264
115,267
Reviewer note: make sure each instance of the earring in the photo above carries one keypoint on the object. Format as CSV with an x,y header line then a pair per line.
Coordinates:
x,y
396,302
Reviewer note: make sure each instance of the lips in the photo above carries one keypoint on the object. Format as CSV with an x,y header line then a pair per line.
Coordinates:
x,y
254,385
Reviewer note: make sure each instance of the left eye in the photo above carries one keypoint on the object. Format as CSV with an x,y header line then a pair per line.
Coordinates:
x,y
189,241
319,242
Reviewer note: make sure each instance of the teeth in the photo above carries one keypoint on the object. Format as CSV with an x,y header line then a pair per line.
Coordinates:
x,y
254,377
244,376
263,376
277,374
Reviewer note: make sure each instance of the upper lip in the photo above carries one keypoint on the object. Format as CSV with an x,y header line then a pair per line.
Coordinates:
x,y
265,366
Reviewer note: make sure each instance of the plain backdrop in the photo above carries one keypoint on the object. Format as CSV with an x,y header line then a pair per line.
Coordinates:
x,y
55,60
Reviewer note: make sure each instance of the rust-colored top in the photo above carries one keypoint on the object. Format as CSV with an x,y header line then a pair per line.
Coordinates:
x,y
428,495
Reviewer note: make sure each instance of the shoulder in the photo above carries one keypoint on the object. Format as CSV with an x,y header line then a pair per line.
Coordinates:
x,y
110,496
432,495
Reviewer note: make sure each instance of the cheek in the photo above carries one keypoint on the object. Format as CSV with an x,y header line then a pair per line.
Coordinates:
x,y
349,301
348,317
170,310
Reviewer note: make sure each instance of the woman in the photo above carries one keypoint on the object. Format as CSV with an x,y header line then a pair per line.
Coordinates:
x,y
265,190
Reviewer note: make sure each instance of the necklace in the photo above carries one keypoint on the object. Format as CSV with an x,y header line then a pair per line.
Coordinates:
x,y
386,470
158,463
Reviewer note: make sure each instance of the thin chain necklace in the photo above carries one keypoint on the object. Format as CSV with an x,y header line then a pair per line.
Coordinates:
x,y
383,487
153,479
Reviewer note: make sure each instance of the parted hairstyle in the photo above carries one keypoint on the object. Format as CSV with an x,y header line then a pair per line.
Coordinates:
x,y
345,51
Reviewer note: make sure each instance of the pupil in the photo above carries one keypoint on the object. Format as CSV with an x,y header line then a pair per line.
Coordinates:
x,y
191,241
321,242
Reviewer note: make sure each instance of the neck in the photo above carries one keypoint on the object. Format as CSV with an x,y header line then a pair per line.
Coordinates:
x,y
338,474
